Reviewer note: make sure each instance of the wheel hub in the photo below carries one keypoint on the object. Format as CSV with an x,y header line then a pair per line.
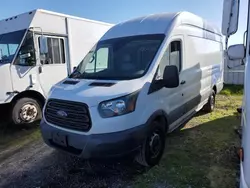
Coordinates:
x,y
28,113
155,145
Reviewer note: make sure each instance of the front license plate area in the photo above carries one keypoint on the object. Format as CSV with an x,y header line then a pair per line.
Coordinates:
x,y
60,139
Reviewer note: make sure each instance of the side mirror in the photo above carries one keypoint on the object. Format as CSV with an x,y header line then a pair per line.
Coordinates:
x,y
25,56
171,76
236,52
27,59
43,44
230,17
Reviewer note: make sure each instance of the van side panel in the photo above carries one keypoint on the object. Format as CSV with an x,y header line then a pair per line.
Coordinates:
x,y
202,68
204,65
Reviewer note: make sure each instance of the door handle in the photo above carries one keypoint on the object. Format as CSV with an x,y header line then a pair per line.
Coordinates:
x,y
183,82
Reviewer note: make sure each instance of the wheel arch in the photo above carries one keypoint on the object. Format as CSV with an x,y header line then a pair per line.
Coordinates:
x,y
215,89
159,116
30,94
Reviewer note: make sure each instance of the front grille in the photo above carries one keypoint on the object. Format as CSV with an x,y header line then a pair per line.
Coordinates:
x,y
68,114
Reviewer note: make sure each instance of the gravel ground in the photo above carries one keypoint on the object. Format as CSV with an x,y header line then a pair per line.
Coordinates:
x,y
37,165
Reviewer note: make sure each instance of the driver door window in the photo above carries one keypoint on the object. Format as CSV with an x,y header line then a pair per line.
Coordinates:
x,y
172,56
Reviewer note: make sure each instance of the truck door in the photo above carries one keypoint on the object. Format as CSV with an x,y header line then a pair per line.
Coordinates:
x,y
23,69
52,65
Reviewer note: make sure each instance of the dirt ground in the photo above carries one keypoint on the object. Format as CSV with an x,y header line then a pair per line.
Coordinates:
x,y
25,161
37,165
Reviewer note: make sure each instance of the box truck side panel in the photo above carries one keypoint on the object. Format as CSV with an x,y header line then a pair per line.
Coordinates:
x,y
49,23
82,37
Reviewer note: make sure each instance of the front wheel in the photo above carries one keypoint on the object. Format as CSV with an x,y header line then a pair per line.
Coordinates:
x,y
153,147
209,107
26,111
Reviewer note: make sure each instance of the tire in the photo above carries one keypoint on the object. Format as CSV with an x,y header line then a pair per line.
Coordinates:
x,y
146,157
31,109
209,107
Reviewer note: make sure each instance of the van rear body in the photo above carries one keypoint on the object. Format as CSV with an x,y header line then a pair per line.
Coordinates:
x,y
143,79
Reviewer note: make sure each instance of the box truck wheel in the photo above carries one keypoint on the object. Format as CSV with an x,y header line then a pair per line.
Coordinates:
x,y
153,146
209,107
26,110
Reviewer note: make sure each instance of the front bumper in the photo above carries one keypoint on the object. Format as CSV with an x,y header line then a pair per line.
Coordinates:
x,y
97,145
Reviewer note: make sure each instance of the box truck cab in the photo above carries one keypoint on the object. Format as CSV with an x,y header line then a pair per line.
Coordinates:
x,y
144,78
38,49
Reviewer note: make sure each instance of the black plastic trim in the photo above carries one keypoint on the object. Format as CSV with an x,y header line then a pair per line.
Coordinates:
x,y
13,92
155,85
102,84
71,82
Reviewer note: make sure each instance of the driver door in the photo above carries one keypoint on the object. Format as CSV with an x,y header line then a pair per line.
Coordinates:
x,y
23,69
52,65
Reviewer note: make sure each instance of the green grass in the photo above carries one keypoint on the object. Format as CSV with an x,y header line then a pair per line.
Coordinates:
x,y
232,90
203,153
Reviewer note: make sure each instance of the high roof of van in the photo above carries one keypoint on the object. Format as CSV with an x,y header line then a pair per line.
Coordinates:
x,y
158,24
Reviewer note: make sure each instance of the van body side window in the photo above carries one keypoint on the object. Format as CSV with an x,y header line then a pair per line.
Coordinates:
x,y
172,56
56,52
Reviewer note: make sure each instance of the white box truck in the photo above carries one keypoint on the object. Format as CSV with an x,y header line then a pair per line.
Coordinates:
x,y
143,79
38,49
230,20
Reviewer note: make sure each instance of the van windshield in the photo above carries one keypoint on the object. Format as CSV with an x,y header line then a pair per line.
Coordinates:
x,y
120,58
9,43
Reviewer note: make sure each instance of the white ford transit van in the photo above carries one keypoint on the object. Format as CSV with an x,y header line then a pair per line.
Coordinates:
x,y
144,78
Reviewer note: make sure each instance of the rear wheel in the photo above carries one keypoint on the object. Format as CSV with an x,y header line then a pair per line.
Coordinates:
x,y
209,107
26,111
153,146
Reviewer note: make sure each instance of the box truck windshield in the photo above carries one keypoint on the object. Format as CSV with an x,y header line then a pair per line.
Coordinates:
x,y
9,43
119,58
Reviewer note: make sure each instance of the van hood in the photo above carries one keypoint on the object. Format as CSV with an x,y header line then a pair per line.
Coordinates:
x,y
92,92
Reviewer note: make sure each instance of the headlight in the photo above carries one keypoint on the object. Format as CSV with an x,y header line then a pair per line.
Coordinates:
x,y
119,106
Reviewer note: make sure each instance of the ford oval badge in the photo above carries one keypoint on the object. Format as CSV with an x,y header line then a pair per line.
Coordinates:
x,y
62,113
